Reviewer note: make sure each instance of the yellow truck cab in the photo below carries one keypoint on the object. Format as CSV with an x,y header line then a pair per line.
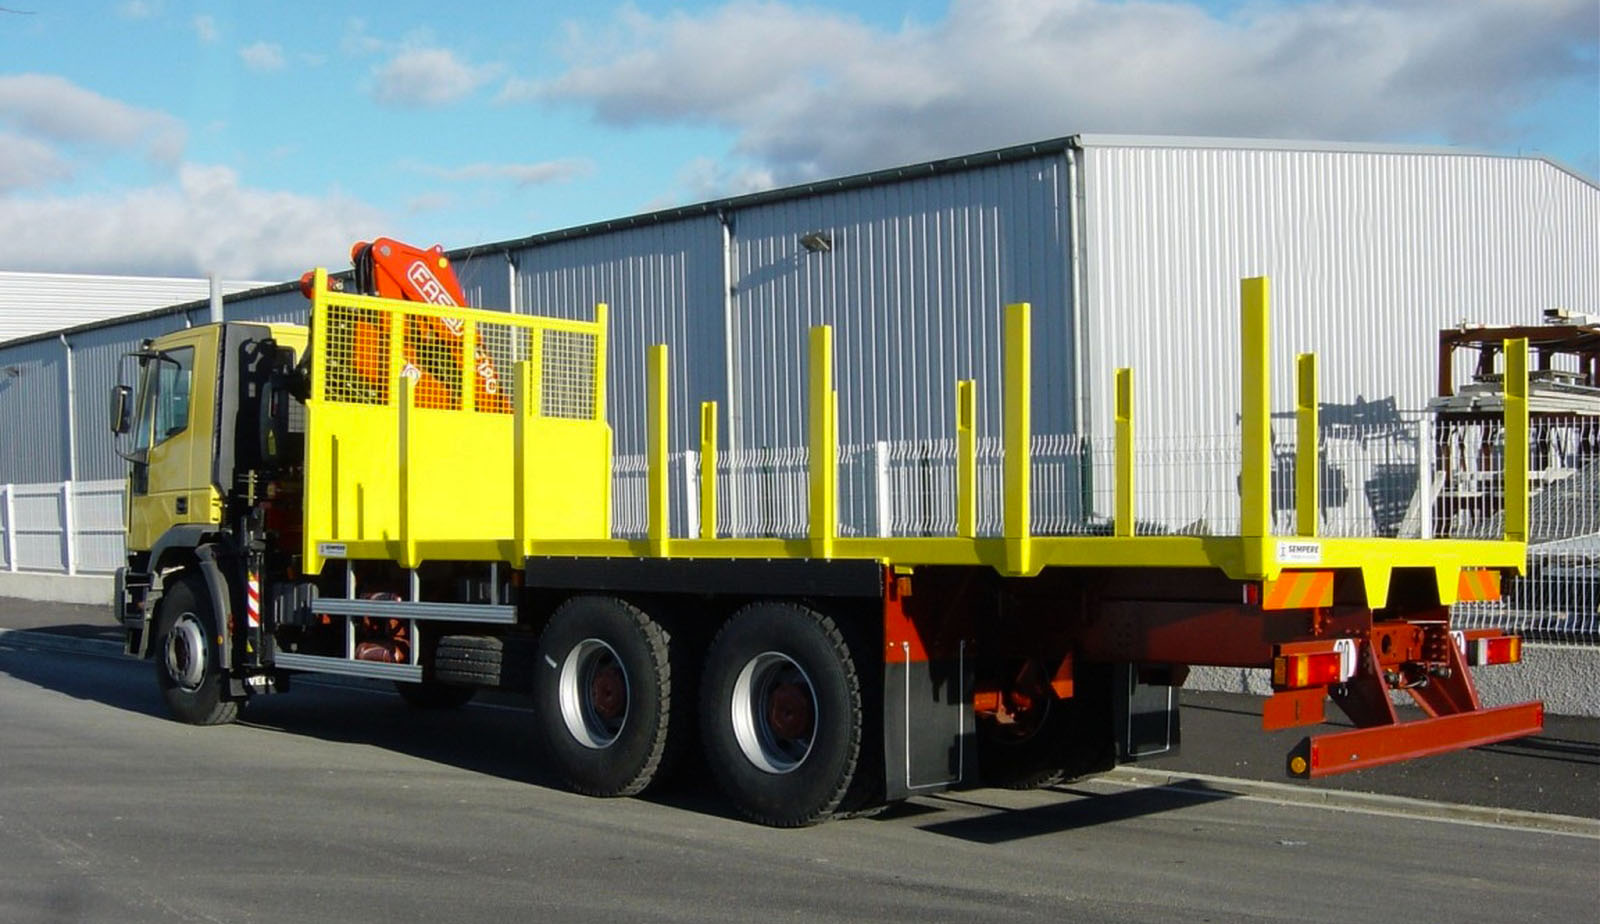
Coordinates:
x,y
190,428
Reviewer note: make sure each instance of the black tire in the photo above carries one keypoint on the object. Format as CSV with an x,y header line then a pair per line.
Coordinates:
x,y
431,694
187,668
770,664
603,696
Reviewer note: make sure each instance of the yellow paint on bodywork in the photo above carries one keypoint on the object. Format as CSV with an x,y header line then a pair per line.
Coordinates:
x,y
441,482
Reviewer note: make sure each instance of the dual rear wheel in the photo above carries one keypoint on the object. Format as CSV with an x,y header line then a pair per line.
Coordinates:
x,y
780,707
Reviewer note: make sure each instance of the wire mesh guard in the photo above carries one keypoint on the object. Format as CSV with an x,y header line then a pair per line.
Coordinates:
x,y
440,354
356,354
567,375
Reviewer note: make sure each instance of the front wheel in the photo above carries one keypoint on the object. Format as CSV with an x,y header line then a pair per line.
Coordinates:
x,y
187,668
781,714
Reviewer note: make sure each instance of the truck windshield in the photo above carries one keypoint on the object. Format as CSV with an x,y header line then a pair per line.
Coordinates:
x,y
164,398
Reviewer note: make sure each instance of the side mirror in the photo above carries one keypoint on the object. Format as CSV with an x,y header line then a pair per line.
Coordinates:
x,y
121,409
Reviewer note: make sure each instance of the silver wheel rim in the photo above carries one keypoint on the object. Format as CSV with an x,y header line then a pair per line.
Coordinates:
x,y
186,652
594,693
767,694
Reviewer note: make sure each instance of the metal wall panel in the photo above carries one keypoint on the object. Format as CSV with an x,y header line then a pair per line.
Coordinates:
x,y
1370,255
287,307
96,364
33,433
486,280
663,284
31,303
914,285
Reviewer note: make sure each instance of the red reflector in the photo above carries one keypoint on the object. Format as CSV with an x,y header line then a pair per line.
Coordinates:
x,y
1504,649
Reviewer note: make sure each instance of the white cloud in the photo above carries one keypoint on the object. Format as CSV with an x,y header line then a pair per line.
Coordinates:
x,y
205,222
56,110
425,77
205,28
262,56
813,92
26,163
535,174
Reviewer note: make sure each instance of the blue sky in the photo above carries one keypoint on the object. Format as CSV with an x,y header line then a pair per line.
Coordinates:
x,y
257,139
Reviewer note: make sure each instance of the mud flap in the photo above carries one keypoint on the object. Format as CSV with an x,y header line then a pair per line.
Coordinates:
x,y
928,739
1145,715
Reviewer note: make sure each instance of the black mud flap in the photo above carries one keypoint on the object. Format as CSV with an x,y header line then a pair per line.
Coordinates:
x,y
1145,715
928,738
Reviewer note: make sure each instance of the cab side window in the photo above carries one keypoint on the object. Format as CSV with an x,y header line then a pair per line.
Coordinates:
x,y
169,384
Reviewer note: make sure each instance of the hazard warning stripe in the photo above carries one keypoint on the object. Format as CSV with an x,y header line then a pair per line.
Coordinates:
x,y
1478,584
1295,590
253,601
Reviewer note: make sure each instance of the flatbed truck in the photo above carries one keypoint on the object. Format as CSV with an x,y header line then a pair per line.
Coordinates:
x,y
413,491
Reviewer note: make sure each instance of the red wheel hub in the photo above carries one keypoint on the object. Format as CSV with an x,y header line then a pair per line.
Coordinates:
x,y
608,692
789,711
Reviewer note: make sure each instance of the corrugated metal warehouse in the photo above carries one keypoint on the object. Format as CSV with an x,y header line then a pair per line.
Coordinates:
x,y
36,303
1129,249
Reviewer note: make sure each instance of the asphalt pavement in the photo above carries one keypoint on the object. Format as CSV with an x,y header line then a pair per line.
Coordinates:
x,y
1554,773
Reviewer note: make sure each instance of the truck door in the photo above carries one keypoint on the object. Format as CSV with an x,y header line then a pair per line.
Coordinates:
x,y
173,439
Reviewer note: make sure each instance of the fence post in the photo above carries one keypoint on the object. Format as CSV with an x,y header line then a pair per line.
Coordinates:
x,y
691,493
67,528
11,527
881,498
1425,478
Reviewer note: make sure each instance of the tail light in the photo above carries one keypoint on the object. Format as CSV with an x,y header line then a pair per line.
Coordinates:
x,y
1500,649
1301,669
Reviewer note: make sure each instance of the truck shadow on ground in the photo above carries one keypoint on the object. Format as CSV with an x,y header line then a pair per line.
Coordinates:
x,y
132,688
1082,809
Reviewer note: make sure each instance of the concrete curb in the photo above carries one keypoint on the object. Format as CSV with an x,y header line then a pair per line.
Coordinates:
x,y
1293,794
47,587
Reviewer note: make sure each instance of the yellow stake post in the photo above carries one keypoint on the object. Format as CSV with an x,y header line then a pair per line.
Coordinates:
x,y
523,386
1122,524
1516,427
1307,464
967,458
1255,508
656,452
708,470
408,473
1018,435
824,440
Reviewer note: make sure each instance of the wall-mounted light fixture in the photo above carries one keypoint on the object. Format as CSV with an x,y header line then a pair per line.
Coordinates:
x,y
13,372
817,241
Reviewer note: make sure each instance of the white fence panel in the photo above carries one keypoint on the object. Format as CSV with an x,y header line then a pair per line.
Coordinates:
x,y
97,526
61,527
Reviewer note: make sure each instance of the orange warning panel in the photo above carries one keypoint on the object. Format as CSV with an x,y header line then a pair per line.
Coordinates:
x,y
1294,590
1478,584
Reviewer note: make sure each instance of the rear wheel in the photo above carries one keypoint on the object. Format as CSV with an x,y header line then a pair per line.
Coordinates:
x,y
187,668
603,696
781,714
